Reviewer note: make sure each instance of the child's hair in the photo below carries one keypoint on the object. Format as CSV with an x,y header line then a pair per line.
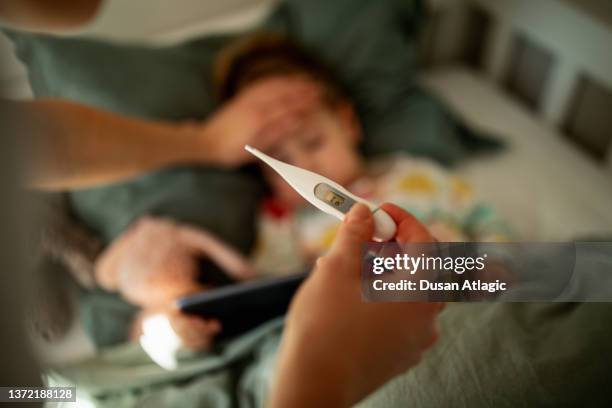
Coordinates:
x,y
264,55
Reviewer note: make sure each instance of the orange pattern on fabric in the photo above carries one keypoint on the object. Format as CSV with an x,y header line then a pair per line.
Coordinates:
x,y
418,183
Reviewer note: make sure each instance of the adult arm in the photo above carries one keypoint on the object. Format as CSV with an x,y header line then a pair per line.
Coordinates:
x,y
71,145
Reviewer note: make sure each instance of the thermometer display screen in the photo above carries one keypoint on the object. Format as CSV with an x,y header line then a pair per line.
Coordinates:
x,y
332,197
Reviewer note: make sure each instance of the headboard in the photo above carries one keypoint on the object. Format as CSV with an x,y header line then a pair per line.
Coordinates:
x,y
554,56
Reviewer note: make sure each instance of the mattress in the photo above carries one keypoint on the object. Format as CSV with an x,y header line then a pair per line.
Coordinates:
x,y
544,186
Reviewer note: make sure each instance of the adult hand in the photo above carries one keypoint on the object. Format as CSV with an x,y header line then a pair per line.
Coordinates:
x,y
259,116
338,348
156,261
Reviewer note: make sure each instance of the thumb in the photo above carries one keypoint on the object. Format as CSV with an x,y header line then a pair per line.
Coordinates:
x,y
356,230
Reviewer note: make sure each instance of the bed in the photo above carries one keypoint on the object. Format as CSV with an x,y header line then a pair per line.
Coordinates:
x,y
547,188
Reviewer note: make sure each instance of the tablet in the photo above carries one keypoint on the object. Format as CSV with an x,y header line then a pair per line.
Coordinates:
x,y
243,306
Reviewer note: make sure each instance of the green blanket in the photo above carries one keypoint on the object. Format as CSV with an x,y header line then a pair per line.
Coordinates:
x,y
496,355
234,374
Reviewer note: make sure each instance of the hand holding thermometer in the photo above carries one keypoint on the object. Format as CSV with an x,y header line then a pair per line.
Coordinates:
x,y
327,195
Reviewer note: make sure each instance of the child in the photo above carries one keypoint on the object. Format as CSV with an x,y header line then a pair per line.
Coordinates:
x,y
325,141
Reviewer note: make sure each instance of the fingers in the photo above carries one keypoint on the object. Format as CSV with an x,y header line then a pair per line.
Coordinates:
x,y
357,229
106,268
287,98
283,113
409,229
397,213
196,333
283,105
167,289
287,90
228,259
271,133
111,264
290,99
261,115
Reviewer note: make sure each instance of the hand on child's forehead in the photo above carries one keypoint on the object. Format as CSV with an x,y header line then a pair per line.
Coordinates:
x,y
284,86
292,131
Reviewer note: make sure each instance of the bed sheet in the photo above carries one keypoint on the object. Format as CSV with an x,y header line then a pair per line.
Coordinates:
x,y
544,186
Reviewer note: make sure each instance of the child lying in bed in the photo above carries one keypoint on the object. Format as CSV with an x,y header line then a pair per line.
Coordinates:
x,y
325,141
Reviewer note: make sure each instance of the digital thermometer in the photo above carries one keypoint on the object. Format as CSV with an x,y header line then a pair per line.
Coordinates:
x,y
326,195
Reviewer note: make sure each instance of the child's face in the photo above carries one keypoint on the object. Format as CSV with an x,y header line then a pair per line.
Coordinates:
x,y
325,143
